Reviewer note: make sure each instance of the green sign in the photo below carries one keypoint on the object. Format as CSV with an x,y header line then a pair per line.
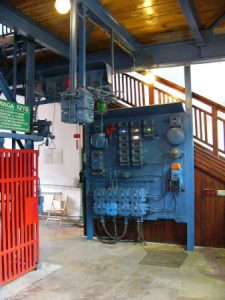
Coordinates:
x,y
14,116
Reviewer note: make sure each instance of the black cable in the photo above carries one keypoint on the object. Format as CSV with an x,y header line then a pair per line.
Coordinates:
x,y
106,231
138,233
115,228
113,240
142,234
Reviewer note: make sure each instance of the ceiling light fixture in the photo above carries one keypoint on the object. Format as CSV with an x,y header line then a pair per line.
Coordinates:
x,y
63,6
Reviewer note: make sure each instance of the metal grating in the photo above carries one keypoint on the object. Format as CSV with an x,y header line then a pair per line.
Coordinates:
x,y
165,258
19,228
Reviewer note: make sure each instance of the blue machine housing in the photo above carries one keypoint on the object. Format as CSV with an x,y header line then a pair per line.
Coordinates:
x,y
123,202
135,167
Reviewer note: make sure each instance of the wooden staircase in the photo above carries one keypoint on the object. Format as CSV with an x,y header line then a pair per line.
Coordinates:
x,y
209,138
209,163
208,116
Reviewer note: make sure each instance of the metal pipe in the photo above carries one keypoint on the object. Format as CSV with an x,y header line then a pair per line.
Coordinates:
x,y
112,54
189,161
14,74
30,65
82,50
73,46
15,64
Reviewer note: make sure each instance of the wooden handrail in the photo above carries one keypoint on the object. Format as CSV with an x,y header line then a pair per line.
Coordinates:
x,y
194,95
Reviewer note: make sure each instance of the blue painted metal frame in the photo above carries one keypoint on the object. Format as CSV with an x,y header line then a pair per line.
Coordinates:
x,y
185,52
82,50
188,9
151,55
154,174
24,25
5,89
18,136
189,163
73,46
30,74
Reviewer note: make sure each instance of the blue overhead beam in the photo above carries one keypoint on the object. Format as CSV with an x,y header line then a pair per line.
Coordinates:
x,y
98,13
188,9
24,25
172,54
5,89
181,53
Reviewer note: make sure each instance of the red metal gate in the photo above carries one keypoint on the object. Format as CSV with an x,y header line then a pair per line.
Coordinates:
x,y
19,228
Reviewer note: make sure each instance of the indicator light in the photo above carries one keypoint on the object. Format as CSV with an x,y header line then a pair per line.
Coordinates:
x,y
136,137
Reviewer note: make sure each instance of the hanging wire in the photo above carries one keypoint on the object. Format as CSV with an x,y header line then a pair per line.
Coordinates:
x,y
110,239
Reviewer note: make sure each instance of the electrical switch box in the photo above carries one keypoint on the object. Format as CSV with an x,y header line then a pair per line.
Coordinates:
x,y
97,162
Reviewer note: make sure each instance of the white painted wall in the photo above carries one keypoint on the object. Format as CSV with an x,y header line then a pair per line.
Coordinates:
x,y
60,175
207,79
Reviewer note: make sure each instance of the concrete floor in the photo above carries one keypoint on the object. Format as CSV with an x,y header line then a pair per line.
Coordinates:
x,y
92,270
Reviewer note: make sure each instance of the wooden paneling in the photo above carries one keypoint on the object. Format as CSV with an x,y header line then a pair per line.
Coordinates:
x,y
148,17
209,163
209,212
163,231
150,21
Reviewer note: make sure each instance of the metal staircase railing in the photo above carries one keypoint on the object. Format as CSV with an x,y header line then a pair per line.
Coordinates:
x,y
208,116
5,31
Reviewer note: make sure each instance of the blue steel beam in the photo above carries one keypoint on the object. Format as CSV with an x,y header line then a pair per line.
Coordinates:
x,y
82,51
20,136
98,13
5,89
73,46
172,54
24,25
189,162
30,74
188,9
181,53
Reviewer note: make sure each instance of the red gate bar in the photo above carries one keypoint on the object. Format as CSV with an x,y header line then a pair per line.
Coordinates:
x,y
19,227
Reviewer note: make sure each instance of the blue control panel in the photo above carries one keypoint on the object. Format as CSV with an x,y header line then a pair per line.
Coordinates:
x,y
138,165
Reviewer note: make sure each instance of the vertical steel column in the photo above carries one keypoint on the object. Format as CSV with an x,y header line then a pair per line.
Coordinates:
x,y
15,48
113,61
82,83
5,89
30,67
189,180
14,75
73,46
82,49
112,54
